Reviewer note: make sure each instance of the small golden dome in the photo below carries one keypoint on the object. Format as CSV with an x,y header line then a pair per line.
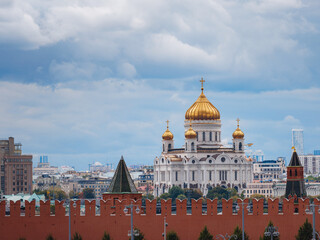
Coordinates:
x,y
202,109
167,135
238,134
190,134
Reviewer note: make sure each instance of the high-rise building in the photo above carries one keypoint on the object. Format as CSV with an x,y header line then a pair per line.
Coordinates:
x,y
16,169
297,140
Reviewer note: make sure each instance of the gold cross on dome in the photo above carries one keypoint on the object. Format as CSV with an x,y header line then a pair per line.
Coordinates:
x,y
167,123
238,120
202,81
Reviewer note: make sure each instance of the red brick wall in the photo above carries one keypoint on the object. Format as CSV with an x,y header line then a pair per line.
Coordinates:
x,y
113,220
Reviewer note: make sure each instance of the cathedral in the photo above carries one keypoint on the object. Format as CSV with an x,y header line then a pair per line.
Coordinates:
x,y
203,162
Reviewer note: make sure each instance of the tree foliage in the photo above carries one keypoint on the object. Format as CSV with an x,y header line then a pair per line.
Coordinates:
x,y
220,192
270,224
77,236
238,233
175,191
165,196
50,237
181,197
51,194
205,234
305,231
140,236
106,236
172,235
73,195
88,193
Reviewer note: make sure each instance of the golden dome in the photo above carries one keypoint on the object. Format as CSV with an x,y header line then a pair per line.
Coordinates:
x,y
202,109
238,134
190,133
167,135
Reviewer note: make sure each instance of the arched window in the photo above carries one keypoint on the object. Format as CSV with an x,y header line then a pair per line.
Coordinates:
x,y
210,136
240,146
234,146
192,146
295,172
203,136
162,147
216,136
197,136
290,172
169,146
186,147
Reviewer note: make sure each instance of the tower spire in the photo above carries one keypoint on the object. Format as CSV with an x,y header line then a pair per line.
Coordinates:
x,y
167,124
238,120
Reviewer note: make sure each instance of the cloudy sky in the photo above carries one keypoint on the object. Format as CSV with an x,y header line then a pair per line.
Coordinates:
x,y
90,80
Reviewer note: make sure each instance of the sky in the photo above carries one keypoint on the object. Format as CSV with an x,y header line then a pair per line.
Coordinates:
x,y
91,80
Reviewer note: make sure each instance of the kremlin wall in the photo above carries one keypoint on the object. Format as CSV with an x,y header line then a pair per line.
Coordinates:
x,y
27,225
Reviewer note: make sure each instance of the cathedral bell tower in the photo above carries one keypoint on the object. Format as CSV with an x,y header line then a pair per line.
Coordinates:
x,y
191,140
167,140
238,139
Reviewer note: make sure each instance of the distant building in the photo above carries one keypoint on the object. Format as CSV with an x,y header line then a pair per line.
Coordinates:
x,y
257,155
269,170
297,140
265,189
99,167
16,169
310,163
44,167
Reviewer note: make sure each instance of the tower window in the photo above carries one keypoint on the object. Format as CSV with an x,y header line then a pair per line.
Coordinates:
x,y
169,146
240,146
210,136
162,147
193,175
192,146
295,172
204,136
197,136
186,146
216,136
236,175
176,175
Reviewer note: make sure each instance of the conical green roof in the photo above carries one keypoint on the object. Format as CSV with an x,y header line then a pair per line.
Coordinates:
x,y
122,181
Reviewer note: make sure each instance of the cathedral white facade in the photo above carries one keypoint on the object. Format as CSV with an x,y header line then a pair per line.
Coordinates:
x,y
203,162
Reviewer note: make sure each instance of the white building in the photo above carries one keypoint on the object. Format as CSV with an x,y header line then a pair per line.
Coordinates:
x,y
203,162
269,170
297,140
310,163
264,189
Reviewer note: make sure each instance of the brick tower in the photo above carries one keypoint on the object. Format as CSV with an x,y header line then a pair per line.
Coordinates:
x,y
122,186
295,179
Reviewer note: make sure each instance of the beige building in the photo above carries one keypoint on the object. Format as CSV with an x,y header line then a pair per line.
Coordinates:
x,y
264,189
16,169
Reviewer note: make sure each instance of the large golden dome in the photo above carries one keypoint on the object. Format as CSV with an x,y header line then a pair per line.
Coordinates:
x,y
238,134
167,135
202,109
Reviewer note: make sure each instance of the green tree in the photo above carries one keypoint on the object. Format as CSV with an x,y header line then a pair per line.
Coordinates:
x,y
50,237
305,231
140,236
73,195
218,192
181,197
165,196
172,235
77,236
148,196
238,232
175,191
205,234
88,193
106,236
270,224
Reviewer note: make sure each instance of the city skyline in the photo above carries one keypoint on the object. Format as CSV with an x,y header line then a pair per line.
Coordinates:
x,y
93,81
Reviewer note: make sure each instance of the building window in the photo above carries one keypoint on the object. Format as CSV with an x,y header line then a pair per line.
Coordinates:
x,y
295,172
210,136
169,146
236,175
197,136
240,146
210,175
203,136
186,147
162,147
223,159
216,136
193,175
176,175
192,146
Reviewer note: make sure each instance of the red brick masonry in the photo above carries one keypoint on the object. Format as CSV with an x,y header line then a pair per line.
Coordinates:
x,y
113,220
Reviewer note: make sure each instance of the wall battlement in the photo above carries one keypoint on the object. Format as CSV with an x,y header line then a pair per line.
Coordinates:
x,y
90,222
